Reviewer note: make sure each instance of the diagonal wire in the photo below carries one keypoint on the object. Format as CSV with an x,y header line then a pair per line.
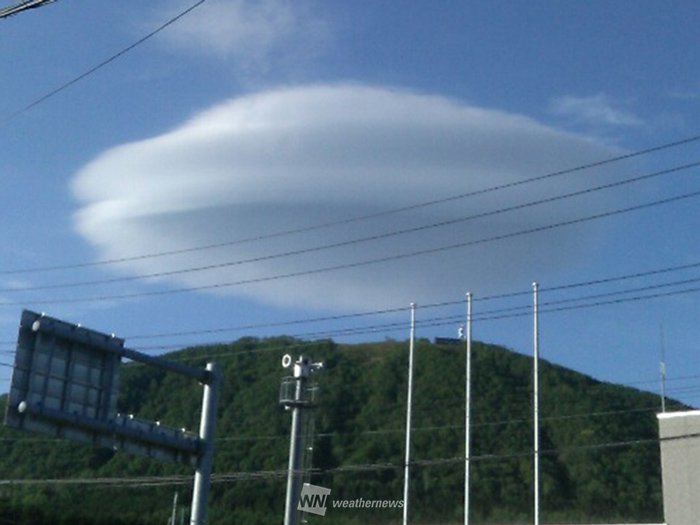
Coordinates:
x,y
23,6
360,240
99,66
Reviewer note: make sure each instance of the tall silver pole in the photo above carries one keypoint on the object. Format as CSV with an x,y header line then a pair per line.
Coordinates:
x,y
467,409
409,406
295,455
207,424
536,400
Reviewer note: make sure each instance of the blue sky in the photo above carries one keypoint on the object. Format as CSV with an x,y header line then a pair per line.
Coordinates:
x,y
245,121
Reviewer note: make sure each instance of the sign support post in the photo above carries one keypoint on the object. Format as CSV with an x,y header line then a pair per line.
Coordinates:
x,y
65,384
202,476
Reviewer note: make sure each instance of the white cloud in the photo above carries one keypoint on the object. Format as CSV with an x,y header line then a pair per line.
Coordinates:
x,y
301,156
595,110
253,33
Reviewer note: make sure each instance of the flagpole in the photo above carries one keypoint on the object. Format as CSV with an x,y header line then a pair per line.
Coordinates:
x,y
536,399
467,409
409,406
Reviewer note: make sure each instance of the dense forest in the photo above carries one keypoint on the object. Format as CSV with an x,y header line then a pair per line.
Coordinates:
x,y
600,459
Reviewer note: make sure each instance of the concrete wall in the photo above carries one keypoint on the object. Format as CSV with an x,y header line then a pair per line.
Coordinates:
x,y
680,466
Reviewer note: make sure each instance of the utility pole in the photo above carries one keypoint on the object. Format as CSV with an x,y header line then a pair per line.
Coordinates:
x,y
467,409
536,398
297,395
409,407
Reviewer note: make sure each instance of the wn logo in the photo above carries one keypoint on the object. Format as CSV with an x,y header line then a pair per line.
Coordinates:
x,y
313,499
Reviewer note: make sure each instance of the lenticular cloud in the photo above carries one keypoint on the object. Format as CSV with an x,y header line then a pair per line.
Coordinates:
x,y
292,159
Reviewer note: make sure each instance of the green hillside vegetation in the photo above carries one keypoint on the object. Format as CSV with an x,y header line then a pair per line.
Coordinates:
x,y
590,471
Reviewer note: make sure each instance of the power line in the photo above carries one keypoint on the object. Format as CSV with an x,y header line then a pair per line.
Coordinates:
x,y
487,313
359,240
504,312
448,320
394,310
503,422
99,66
434,428
483,191
435,321
490,315
23,6
559,417
601,303
390,258
277,324
141,481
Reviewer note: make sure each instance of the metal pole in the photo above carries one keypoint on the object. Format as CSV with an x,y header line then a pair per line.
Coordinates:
x,y
173,515
409,406
662,370
295,455
467,409
536,400
207,424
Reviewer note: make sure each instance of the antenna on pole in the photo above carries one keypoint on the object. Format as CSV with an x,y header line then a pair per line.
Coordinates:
x,y
662,369
298,394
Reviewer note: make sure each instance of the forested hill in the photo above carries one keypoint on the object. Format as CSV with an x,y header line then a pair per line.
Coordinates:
x,y
600,459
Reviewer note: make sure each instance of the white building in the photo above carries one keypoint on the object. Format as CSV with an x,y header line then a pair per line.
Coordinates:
x,y
679,434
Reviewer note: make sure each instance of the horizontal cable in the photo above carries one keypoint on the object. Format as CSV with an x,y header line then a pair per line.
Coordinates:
x,y
351,242
483,191
95,68
391,258
281,473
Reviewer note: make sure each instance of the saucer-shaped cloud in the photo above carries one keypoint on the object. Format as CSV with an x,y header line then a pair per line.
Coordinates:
x,y
299,157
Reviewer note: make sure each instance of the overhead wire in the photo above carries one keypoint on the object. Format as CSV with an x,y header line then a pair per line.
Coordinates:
x,y
473,193
647,287
399,309
360,240
229,476
478,424
394,310
226,477
366,262
491,315
434,321
23,6
601,303
100,65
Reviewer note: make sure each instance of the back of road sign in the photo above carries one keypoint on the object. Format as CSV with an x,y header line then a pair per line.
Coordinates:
x,y
65,384
66,371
